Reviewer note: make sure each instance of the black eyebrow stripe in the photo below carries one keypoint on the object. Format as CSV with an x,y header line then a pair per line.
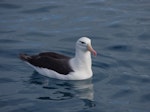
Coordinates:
x,y
82,42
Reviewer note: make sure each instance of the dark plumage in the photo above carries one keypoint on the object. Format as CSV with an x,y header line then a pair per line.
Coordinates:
x,y
49,60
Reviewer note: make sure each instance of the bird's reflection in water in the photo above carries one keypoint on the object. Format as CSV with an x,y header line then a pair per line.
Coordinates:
x,y
64,90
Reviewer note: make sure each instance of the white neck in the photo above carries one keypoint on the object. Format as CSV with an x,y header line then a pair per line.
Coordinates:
x,y
82,61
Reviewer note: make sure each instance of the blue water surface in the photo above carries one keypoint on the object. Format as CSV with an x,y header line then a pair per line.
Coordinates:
x,y
120,33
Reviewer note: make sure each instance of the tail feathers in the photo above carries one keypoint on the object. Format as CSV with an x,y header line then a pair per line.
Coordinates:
x,y
24,57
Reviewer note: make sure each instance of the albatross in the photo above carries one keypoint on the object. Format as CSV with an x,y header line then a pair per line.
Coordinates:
x,y
63,67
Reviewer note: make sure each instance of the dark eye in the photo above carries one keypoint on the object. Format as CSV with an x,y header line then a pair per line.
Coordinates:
x,y
82,42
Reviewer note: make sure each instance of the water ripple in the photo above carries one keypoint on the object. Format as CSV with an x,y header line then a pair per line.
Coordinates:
x,y
102,65
123,48
144,36
6,32
39,34
58,96
5,80
123,93
41,10
9,41
145,98
9,6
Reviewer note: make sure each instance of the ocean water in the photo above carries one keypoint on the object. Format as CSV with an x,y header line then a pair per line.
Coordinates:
x,y
120,33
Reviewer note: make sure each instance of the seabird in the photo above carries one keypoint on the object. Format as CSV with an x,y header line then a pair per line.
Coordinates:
x,y
62,67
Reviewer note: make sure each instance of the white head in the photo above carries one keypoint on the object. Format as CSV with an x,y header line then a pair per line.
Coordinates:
x,y
84,44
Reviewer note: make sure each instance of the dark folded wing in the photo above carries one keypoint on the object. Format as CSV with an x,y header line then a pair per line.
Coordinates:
x,y
54,55
49,61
